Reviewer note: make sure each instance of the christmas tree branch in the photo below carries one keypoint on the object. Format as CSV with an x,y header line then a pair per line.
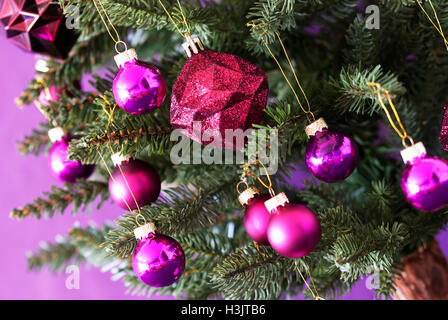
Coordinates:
x,y
58,199
36,142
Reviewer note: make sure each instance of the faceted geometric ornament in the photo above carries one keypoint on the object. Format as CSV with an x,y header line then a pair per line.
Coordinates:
x,y
444,131
217,91
37,26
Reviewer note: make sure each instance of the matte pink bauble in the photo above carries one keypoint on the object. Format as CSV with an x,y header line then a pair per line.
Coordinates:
x,y
256,219
143,181
294,230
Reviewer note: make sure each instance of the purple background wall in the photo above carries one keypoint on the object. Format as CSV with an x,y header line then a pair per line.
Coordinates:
x,y
24,178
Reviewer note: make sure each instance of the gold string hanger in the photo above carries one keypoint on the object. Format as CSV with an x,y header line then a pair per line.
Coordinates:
x,y
174,23
306,110
110,120
314,293
117,41
267,185
400,130
438,27
115,38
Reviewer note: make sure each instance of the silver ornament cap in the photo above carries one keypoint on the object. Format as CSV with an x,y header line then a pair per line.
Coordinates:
x,y
315,127
192,46
118,158
144,230
277,201
56,134
414,152
247,194
126,56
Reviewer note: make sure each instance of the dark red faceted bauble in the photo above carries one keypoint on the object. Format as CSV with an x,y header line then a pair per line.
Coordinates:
x,y
444,131
37,26
221,91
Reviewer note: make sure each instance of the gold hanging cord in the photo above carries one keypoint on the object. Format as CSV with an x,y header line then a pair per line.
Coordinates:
x,y
172,19
115,38
401,131
438,27
306,110
110,114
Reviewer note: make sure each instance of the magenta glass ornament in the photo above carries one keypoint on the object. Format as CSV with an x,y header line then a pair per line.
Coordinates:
x,y
216,92
138,87
294,230
425,183
158,260
143,180
256,219
52,94
331,156
63,169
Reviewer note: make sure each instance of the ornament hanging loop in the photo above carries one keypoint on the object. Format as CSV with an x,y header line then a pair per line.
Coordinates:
x,y
123,44
138,218
406,139
239,184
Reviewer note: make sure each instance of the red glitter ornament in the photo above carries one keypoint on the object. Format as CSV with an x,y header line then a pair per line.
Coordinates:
x,y
37,26
221,91
444,131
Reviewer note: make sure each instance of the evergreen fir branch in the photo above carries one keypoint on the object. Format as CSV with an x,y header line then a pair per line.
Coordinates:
x,y
82,244
252,273
149,15
54,256
72,111
31,93
184,210
80,194
356,95
362,44
36,142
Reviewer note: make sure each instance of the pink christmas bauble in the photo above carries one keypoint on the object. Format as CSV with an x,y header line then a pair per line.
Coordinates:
x,y
425,183
51,94
143,181
158,260
63,169
256,219
293,230
139,87
331,156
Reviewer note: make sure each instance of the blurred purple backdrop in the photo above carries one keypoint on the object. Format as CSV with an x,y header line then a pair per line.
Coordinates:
x,y
24,178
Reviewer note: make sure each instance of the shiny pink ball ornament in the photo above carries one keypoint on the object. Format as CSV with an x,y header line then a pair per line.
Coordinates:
x,y
138,87
63,169
425,179
158,260
294,230
50,94
331,156
143,181
256,216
